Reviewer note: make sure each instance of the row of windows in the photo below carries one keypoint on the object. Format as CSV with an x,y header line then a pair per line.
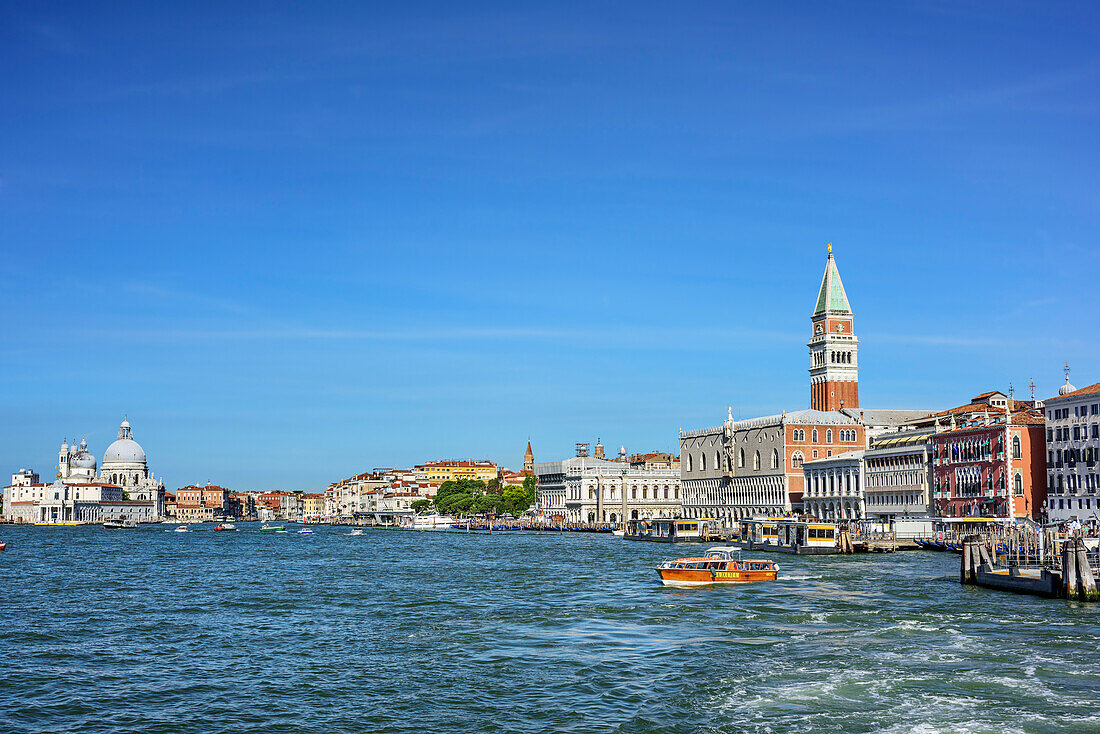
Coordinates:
x,y
1072,481
974,449
896,462
968,484
1067,504
1080,433
1079,411
845,435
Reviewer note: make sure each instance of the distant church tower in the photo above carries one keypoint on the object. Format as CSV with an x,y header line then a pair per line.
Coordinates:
x,y
529,459
834,366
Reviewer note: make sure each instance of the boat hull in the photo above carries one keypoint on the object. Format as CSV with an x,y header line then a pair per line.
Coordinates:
x,y
704,577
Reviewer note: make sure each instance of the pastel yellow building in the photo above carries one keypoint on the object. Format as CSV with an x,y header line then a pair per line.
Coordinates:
x,y
313,505
447,471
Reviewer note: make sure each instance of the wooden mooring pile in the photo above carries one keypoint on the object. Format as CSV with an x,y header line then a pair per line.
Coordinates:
x,y
1069,572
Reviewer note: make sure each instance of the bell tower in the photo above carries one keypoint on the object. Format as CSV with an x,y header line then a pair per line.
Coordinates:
x,y
834,363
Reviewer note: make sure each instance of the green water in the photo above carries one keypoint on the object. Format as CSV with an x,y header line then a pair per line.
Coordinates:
x,y
149,631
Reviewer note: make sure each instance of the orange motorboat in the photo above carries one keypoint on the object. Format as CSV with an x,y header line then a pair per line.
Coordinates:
x,y
718,566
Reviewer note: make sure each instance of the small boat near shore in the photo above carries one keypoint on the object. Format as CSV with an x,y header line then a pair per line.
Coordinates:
x,y
718,566
225,526
272,529
181,529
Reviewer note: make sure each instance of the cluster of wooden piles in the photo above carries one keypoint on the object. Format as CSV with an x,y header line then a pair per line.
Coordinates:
x,y
1067,574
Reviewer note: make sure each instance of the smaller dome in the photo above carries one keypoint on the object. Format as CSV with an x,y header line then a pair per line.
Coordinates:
x,y
83,460
1066,389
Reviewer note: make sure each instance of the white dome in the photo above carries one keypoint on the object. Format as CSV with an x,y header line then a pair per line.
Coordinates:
x,y
1066,389
83,460
124,451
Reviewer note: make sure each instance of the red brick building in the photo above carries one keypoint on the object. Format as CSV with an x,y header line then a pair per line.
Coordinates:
x,y
990,463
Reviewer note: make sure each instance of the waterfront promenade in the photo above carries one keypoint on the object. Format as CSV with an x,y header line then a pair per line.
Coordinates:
x,y
148,631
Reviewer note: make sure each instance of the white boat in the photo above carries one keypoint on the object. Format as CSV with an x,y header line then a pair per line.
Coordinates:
x,y
619,533
305,531
181,529
432,522
357,531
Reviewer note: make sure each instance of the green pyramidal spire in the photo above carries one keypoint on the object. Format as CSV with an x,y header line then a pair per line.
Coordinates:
x,y
832,297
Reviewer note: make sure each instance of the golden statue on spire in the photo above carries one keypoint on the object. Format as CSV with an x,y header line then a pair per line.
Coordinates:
x,y
830,246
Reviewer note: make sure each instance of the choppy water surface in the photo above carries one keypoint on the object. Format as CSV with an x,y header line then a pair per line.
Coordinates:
x,y
147,631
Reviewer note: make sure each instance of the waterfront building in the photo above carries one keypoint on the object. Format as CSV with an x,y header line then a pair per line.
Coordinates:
x,y
990,463
1073,454
897,475
242,505
833,490
122,488
451,470
754,466
347,497
313,506
202,504
588,489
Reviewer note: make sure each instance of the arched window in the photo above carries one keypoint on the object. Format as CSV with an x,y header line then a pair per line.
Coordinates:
x,y
814,435
740,457
1019,485
1016,454
702,462
634,493
717,460
797,459
756,461
775,458
689,462
829,436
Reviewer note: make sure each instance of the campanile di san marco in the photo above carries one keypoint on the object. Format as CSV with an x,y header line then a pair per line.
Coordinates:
x,y
834,348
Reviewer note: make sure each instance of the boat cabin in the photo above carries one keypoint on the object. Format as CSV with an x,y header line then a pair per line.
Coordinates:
x,y
672,530
792,534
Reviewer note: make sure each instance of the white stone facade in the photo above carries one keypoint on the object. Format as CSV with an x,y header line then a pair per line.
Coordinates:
x,y
590,490
897,476
834,489
1073,455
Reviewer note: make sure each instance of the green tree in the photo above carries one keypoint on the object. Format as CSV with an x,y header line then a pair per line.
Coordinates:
x,y
421,506
488,504
515,500
530,486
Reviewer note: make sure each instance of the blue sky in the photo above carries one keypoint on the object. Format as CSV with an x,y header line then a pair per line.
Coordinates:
x,y
296,241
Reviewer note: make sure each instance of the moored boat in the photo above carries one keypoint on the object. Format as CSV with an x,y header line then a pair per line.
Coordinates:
x,y
719,566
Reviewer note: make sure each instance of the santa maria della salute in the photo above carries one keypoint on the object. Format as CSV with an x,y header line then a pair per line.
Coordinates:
x,y
122,489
